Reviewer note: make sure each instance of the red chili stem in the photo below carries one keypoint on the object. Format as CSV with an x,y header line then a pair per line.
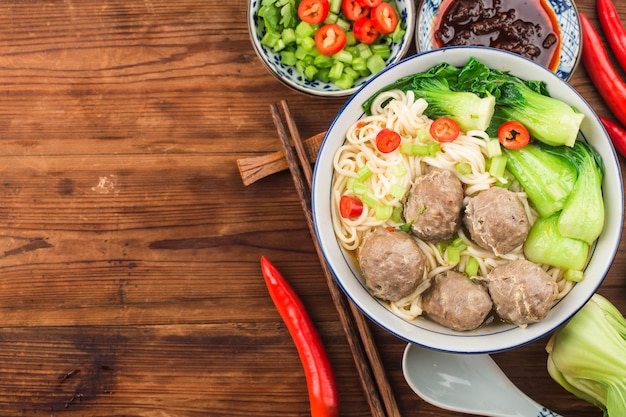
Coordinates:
x,y
616,133
322,387
613,29
601,72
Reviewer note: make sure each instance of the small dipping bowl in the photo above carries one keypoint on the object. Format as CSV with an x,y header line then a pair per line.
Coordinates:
x,y
563,15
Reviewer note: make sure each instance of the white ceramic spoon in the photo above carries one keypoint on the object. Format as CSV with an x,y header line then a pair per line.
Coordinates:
x,y
471,384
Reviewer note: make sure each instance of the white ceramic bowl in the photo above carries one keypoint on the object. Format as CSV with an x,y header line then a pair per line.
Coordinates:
x,y
492,338
292,78
566,15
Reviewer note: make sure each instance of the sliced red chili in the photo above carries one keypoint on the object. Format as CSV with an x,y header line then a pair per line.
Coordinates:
x,y
330,39
350,206
387,140
385,18
353,10
613,29
313,11
513,135
444,129
601,72
365,31
370,3
321,383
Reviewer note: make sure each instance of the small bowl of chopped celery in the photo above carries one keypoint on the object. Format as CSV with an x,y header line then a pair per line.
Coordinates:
x,y
329,48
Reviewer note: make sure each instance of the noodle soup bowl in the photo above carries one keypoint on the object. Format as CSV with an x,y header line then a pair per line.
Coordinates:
x,y
497,336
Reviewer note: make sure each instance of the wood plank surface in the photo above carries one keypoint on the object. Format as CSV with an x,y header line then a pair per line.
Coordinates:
x,y
130,282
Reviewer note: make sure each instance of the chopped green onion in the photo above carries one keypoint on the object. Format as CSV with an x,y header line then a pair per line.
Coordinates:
x,y
454,255
497,166
471,269
364,173
383,212
399,170
397,191
493,148
463,168
370,200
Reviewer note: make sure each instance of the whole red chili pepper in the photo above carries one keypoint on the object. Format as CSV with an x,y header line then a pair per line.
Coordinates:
x,y
616,133
320,377
613,29
609,84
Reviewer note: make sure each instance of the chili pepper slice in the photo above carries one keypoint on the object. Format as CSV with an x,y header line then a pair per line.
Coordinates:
x,y
369,3
613,29
350,206
321,383
601,72
365,30
616,133
513,135
353,10
387,140
330,39
385,18
444,129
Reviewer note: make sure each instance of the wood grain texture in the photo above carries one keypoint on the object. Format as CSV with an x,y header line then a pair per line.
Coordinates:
x,y
130,282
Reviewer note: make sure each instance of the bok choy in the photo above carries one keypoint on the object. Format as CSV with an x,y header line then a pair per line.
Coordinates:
x,y
587,356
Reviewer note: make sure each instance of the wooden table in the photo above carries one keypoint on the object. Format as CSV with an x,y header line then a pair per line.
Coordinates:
x,y
130,282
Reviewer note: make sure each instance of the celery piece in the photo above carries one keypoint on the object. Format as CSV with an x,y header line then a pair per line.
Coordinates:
x,y
381,50
304,30
463,168
364,173
396,214
288,36
397,191
433,148
497,166
344,82
336,70
335,6
454,255
349,71
331,18
308,43
358,64
370,200
383,212
279,46
423,135
288,58
471,269
343,56
364,50
546,245
493,148
323,61
360,188
310,71
375,64
322,75
300,52
270,39
399,170
343,24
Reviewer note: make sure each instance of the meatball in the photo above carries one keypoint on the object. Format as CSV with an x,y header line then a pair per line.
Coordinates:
x,y
496,220
392,263
434,205
456,302
521,291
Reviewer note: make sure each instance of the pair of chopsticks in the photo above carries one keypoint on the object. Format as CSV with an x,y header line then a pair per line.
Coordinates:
x,y
364,351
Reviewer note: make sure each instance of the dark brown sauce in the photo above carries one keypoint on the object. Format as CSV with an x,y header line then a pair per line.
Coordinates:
x,y
526,27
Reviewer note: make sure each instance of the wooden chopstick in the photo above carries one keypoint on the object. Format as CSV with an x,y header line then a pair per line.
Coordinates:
x,y
361,342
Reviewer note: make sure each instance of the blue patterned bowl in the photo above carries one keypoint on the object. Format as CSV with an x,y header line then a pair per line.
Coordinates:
x,y
293,78
566,15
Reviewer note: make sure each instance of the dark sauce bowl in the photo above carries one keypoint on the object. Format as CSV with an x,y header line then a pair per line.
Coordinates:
x,y
547,32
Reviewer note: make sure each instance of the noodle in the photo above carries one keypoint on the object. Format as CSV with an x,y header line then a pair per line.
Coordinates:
x,y
396,170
